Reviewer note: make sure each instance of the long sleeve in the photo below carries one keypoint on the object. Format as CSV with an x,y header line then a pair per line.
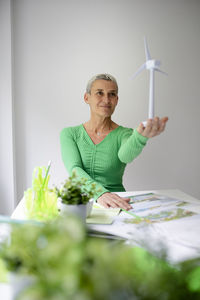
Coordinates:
x,y
73,162
131,146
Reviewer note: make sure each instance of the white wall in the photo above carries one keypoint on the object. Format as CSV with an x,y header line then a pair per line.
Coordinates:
x,y
59,45
7,171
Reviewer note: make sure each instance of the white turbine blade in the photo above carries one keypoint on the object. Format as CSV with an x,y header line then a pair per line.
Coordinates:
x,y
143,67
147,53
161,71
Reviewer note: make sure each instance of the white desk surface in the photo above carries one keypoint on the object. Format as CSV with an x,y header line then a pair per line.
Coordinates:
x,y
19,212
182,243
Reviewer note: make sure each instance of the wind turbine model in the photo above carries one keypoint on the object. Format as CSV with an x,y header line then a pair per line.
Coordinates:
x,y
151,65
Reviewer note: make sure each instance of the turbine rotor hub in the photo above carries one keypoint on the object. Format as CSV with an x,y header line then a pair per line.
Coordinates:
x,y
153,64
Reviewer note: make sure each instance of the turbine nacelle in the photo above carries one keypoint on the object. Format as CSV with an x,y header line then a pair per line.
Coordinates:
x,y
152,64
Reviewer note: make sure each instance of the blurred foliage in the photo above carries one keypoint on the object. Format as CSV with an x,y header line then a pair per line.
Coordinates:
x,y
3,271
69,264
75,190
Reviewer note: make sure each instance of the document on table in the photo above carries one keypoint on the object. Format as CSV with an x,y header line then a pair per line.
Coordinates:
x,y
100,215
153,208
159,222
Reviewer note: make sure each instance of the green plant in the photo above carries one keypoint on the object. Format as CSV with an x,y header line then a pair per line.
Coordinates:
x,y
40,200
68,264
3,271
75,190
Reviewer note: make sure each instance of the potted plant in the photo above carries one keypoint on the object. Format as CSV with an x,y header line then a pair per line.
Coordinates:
x,y
76,196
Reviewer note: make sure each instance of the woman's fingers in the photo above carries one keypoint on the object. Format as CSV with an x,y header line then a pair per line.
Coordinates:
x,y
140,128
148,128
121,202
103,203
127,199
113,200
153,127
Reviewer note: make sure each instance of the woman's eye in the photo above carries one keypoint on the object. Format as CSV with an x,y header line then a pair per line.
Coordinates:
x,y
112,94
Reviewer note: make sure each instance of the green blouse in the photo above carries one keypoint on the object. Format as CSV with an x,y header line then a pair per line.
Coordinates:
x,y
104,163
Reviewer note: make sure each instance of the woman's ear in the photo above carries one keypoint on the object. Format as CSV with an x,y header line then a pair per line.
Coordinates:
x,y
86,98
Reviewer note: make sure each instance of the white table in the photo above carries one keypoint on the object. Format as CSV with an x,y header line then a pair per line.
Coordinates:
x,y
181,238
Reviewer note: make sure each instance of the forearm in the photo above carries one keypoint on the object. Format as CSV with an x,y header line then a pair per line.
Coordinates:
x,y
132,147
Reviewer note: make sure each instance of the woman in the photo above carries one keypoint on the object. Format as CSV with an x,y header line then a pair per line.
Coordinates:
x,y
100,149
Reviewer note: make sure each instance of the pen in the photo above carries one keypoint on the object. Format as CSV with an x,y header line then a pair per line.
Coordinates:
x,y
132,214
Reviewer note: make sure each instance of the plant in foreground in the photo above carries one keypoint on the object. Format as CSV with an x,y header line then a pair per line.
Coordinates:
x,y
68,264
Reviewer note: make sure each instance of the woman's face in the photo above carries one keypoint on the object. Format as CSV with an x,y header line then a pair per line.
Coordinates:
x,y
103,98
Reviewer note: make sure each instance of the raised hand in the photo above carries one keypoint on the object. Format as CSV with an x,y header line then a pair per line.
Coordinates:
x,y
153,127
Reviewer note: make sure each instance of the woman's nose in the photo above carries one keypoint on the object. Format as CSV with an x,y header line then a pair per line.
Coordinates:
x,y
106,98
